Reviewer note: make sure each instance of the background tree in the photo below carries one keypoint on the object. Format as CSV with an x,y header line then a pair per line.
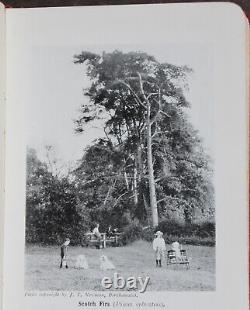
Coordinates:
x,y
102,187
51,205
145,103
136,90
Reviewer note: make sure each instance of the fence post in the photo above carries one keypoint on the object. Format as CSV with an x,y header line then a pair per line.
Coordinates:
x,y
104,240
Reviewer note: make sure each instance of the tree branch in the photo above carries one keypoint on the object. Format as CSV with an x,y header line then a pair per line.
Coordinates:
x,y
174,198
141,88
109,192
166,114
137,99
160,110
158,132
151,94
119,199
160,178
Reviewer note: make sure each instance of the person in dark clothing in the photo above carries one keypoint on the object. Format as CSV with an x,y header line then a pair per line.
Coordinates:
x,y
109,232
64,251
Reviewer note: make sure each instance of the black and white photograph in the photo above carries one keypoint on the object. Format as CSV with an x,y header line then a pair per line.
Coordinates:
x,y
119,179
125,157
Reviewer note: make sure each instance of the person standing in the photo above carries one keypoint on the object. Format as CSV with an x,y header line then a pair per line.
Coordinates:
x,y
97,235
159,248
64,251
109,232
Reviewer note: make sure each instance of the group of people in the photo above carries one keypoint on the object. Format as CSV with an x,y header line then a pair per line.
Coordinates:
x,y
64,247
159,246
109,232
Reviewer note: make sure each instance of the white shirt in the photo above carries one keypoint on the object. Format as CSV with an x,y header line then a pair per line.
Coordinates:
x,y
96,231
176,247
159,243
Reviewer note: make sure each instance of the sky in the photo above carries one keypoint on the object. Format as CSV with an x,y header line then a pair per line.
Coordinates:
x,y
57,94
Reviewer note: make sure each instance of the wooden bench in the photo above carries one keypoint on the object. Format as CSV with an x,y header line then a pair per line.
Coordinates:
x,y
91,240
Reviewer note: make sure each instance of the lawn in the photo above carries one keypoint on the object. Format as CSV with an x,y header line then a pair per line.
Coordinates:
x,y
42,270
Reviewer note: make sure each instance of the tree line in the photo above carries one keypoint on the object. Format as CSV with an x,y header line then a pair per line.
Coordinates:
x,y
149,166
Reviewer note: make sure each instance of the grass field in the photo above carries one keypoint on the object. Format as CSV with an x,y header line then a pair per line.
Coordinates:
x,y
137,259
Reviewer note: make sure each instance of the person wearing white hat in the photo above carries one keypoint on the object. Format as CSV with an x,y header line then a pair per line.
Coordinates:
x,y
159,248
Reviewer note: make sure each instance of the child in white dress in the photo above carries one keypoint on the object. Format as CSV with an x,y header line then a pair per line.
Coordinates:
x,y
159,247
177,248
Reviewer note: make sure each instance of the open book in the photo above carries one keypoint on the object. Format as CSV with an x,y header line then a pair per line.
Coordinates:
x,y
123,158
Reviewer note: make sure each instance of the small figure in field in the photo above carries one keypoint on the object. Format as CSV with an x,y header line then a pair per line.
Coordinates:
x,y
97,235
109,232
159,248
177,248
81,262
105,263
64,251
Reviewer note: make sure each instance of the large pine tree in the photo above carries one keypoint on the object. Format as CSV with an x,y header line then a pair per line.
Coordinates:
x,y
162,161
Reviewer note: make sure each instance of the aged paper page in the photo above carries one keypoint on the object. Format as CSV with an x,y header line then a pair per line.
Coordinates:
x,y
2,136
123,121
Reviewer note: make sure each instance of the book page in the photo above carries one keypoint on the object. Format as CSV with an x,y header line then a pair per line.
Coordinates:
x,y
126,158
2,136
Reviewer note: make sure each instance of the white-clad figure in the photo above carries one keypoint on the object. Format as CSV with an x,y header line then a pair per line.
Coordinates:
x,y
81,262
105,263
159,248
177,248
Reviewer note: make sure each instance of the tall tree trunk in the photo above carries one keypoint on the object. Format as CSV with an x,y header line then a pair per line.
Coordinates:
x,y
147,209
125,175
140,163
135,187
152,191
142,203
126,180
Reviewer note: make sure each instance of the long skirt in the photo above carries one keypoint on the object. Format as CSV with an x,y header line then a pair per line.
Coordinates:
x,y
159,254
